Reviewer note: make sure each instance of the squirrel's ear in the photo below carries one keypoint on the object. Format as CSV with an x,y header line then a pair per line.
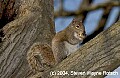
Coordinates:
x,y
74,20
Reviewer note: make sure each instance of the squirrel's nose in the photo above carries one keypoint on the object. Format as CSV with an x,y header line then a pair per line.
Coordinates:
x,y
84,34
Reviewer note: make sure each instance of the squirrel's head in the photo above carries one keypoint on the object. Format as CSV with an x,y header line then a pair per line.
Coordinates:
x,y
78,29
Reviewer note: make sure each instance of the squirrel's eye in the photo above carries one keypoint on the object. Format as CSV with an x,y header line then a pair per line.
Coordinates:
x,y
77,26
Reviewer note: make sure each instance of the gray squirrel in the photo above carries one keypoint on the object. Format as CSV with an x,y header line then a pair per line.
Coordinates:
x,y
64,43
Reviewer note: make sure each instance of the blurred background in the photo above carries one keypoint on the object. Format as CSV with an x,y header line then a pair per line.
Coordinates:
x,y
97,15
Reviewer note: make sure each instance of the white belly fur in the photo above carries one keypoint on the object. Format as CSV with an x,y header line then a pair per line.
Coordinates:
x,y
70,48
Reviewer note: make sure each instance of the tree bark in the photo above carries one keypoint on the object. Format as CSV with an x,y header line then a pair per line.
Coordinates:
x,y
100,54
34,23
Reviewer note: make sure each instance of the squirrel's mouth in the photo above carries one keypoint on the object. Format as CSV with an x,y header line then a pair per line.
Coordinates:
x,y
79,36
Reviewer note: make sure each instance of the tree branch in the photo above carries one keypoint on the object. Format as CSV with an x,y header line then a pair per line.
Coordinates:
x,y
90,8
84,3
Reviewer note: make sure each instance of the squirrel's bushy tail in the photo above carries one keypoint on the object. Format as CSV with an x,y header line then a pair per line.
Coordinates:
x,y
40,57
